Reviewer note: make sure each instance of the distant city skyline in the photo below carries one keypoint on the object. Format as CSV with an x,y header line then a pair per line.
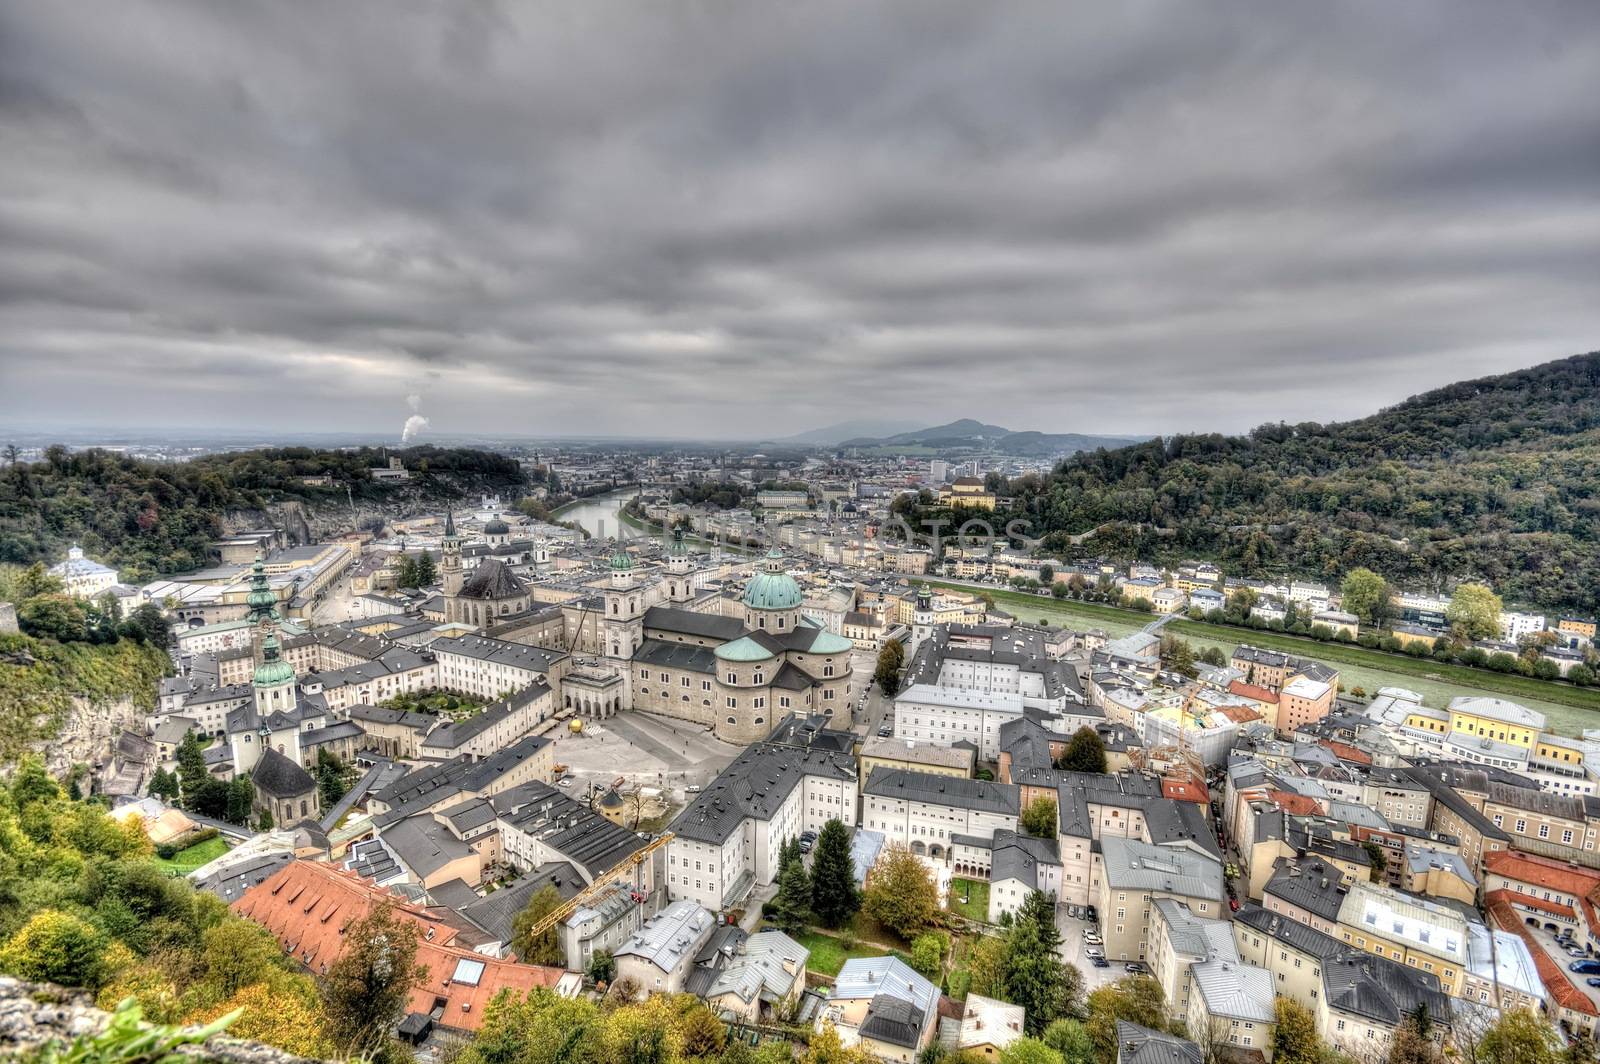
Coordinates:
x,y
747,221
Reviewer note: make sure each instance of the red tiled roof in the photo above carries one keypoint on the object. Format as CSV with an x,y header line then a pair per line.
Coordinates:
x,y
1250,690
1240,714
1555,980
1185,790
307,906
1296,804
1346,752
1542,871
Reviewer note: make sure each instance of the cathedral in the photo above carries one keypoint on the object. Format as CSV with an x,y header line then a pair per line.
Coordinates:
x,y
662,646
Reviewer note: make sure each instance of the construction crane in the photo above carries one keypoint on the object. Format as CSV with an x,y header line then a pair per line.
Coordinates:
x,y
621,870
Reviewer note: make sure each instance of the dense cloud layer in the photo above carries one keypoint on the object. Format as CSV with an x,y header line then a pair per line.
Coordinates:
x,y
746,218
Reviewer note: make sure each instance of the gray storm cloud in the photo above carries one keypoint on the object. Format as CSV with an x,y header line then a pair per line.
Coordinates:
x,y
741,219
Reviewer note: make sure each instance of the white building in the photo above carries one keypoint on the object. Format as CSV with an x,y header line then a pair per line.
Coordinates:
x,y
947,715
728,839
923,812
83,577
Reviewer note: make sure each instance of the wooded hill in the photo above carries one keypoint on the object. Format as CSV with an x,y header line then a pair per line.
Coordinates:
x,y
148,518
1495,479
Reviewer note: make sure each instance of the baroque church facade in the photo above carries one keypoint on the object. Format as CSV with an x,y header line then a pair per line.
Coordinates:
x,y
662,648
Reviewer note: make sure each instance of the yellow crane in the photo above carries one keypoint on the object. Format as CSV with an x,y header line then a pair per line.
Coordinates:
x,y
629,867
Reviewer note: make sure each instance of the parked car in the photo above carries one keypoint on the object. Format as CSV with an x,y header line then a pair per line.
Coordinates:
x,y
1233,903
1091,914
1093,938
1099,962
1593,980
1585,967
693,788
1135,968
1094,951
885,732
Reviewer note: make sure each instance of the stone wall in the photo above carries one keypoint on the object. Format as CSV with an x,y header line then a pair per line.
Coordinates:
x,y
32,1014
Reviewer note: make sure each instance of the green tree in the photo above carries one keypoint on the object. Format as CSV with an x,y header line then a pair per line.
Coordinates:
x,y
241,796
1378,858
164,785
1518,1037
1071,1039
1178,655
544,947
1085,752
900,893
791,906
1029,1051
33,783
1365,594
1039,818
1137,999
57,617
426,572
602,966
927,953
366,989
1034,972
192,772
54,947
1474,611
834,896
891,659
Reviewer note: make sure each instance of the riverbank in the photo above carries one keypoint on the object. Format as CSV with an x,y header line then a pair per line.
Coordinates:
x,y
1568,710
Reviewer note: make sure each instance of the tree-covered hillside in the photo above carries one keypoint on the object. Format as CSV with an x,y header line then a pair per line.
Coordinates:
x,y
1495,479
148,518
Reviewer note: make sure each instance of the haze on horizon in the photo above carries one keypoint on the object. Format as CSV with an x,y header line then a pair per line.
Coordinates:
x,y
721,220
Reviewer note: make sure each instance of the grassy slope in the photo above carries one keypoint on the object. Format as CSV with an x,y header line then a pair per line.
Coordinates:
x,y
187,860
1569,709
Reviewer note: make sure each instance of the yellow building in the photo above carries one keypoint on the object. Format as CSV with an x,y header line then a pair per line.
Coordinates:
x,y
1496,719
912,756
968,492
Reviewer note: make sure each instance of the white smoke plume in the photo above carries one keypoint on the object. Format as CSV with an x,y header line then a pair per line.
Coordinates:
x,y
416,422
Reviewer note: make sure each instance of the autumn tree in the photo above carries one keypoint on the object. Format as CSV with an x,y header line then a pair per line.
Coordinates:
x,y
544,947
891,659
366,989
1085,752
1295,1038
900,893
1365,594
1474,612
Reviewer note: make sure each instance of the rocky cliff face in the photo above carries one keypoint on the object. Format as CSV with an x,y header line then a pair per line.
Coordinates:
x,y
89,732
35,1014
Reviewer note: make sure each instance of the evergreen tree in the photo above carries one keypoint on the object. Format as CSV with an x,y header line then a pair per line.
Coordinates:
x,y
426,572
241,796
791,906
1033,970
164,785
834,896
192,772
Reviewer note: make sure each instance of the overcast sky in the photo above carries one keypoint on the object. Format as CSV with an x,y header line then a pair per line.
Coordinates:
x,y
735,219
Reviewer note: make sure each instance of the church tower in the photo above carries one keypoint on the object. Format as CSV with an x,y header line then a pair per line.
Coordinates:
x,y
450,566
680,582
624,617
274,680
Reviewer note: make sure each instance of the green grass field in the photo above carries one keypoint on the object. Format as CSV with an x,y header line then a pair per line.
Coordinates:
x,y
1568,710
187,860
976,907
828,954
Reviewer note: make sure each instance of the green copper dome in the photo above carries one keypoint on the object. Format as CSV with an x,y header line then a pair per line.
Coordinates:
x,y
828,643
273,670
772,588
621,561
743,649
677,548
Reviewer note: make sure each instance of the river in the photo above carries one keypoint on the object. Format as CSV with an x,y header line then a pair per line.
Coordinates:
x,y
599,515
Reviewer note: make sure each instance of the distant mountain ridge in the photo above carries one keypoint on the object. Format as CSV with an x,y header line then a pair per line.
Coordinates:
x,y
1495,479
967,432
832,435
